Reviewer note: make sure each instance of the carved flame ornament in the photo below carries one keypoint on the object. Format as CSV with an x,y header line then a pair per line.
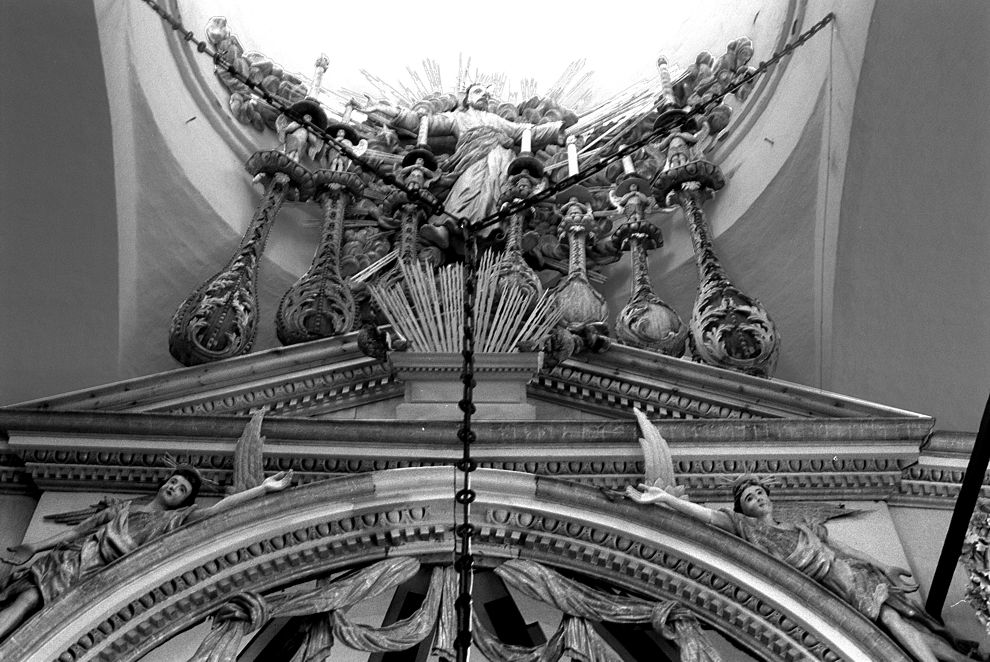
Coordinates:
x,y
646,320
320,304
219,320
728,328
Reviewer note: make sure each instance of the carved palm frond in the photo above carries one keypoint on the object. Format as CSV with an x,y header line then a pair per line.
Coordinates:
x,y
248,455
658,462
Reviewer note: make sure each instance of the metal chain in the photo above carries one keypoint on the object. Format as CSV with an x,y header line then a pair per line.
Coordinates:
x,y
465,496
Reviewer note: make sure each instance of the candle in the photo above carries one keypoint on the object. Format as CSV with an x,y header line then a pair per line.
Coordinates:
x,y
424,130
572,160
527,141
668,87
627,164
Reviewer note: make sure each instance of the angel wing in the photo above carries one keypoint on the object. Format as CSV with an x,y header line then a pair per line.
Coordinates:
x,y
658,462
314,145
616,202
282,123
362,147
248,461
810,512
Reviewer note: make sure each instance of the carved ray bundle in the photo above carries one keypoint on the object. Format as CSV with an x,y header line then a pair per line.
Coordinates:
x,y
427,309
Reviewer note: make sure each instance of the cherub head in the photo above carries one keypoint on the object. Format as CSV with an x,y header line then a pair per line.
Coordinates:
x,y
523,184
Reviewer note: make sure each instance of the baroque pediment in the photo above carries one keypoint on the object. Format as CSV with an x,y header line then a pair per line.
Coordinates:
x,y
331,415
323,378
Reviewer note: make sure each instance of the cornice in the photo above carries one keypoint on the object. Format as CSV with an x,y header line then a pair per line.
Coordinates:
x,y
324,376
669,387
935,480
308,379
168,585
826,458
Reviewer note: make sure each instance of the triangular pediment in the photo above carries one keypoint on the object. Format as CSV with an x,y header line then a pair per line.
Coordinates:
x,y
332,378
332,413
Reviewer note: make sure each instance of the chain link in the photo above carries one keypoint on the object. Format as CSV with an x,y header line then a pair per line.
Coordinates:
x,y
465,496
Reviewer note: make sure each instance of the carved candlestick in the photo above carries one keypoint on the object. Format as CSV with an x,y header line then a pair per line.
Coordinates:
x,y
728,328
525,179
584,311
418,171
646,320
219,319
321,304
512,270
583,308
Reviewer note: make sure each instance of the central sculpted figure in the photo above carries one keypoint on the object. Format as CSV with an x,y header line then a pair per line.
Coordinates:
x,y
481,159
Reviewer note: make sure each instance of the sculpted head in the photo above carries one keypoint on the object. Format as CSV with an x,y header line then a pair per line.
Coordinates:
x,y
476,96
181,487
751,497
523,184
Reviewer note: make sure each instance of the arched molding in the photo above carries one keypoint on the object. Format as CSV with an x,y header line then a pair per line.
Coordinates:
x,y
159,590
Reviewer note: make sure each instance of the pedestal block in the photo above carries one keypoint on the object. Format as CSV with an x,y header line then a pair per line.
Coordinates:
x,y
433,385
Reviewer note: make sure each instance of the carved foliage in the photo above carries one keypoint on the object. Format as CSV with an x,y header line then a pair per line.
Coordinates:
x,y
646,320
729,329
219,320
320,303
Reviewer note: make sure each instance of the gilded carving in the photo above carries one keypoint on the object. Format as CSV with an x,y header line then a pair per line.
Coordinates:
x,y
219,319
320,303
646,320
121,528
877,590
728,328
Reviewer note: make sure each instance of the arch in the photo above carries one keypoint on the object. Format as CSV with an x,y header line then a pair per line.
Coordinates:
x,y
147,597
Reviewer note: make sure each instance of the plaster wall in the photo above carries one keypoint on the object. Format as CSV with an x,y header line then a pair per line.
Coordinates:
x,y
16,512
911,326
58,256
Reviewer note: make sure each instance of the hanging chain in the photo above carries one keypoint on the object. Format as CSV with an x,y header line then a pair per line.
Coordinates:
x,y
465,496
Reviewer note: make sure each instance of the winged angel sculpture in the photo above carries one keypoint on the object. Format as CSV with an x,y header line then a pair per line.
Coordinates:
x,y
797,536
111,529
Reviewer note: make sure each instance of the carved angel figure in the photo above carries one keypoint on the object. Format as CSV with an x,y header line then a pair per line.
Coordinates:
x,y
295,137
876,589
111,533
632,203
417,175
